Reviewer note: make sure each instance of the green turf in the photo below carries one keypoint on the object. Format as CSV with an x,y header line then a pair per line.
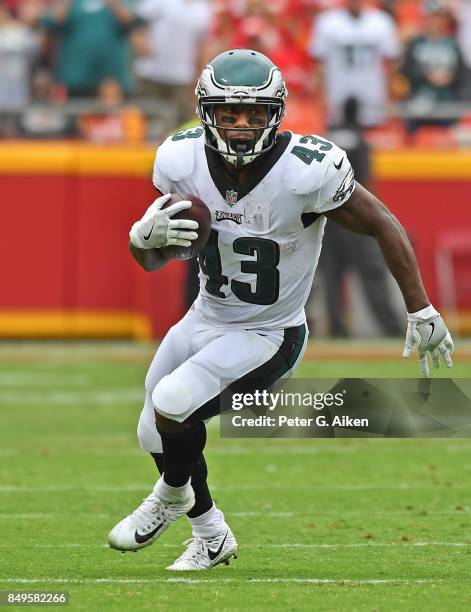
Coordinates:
x,y
400,368
321,524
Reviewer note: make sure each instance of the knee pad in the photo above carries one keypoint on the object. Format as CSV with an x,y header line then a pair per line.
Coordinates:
x,y
173,398
149,437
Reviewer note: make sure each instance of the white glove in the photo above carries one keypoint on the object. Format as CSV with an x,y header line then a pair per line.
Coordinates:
x,y
156,229
427,333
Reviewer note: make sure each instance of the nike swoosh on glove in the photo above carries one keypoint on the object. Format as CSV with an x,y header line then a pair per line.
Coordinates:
x,y
427,332
157,229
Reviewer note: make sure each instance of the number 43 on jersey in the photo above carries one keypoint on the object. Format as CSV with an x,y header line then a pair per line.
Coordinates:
x,y
267,286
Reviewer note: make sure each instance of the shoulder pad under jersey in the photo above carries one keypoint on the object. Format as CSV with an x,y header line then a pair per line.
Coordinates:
x,y
311,163
175,159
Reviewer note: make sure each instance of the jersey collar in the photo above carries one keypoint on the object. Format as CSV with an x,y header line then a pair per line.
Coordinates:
x,y
258,168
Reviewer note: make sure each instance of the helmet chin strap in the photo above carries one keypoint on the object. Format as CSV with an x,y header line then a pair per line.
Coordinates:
x,y
238,152
241,146
240,156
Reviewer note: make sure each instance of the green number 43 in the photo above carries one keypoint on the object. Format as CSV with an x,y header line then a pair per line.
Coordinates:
x,y
263,268
309,155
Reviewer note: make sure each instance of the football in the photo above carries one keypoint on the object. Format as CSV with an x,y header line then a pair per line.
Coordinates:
x,y
198,212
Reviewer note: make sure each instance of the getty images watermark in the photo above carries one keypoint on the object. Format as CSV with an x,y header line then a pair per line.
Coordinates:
x,y
347,408
273,401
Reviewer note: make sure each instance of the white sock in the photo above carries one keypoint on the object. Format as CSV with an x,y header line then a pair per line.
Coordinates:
x,y
208,525
169,493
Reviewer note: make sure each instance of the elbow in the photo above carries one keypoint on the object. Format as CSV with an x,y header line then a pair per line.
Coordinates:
x,y
150,267
148,259
147,264
387,224
153,262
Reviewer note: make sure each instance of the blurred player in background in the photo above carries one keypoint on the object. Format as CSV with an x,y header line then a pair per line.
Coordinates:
x,y
355,47
269,194
345,251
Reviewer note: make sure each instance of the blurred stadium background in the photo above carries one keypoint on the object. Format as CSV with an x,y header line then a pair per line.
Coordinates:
x,y
88,88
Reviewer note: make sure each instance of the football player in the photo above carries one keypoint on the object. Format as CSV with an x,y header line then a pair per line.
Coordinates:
x,y
269,194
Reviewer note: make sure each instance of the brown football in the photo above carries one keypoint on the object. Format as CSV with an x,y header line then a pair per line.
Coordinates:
x,y
198,212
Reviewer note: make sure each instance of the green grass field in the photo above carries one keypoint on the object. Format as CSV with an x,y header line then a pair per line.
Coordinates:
x,y
345,524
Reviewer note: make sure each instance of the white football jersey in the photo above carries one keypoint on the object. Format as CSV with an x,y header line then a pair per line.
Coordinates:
x,y
258,265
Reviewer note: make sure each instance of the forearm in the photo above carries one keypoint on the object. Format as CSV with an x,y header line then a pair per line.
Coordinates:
x,y
401,261
365,214
149,259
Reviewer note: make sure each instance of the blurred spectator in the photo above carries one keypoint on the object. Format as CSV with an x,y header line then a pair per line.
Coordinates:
x,y
168,51
18,47
408,14
261,34
344,252
92,43
114,121
354,45
30,11
46,116
463,18
388,6
433,65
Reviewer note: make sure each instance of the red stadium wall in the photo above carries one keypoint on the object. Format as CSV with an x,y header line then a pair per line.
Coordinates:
x,y
67,209
66,269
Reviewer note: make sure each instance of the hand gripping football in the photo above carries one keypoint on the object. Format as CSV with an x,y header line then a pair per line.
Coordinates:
x,y
198,212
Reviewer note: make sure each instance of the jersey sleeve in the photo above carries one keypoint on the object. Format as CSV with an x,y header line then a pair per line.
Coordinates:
x,y
174,161
318,43
337,185
390,46
320,172
160,181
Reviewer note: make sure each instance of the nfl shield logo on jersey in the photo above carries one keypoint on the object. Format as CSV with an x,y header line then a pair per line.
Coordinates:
x,y
231,197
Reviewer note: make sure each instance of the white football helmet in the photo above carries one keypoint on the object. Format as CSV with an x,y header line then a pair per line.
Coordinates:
x,y
241,76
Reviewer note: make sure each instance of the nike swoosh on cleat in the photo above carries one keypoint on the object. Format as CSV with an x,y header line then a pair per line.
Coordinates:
x,y
433,329
148,235
340,163
213,554
141,539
